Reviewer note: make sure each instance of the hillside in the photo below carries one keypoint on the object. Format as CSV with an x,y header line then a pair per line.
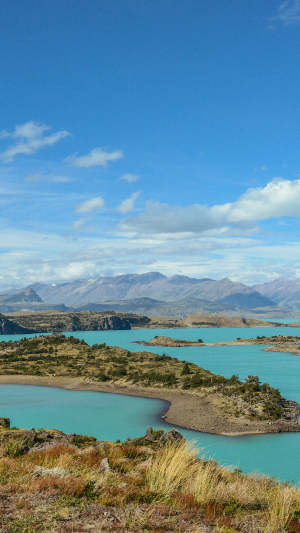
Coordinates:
x,y
51,321
53,482
282,291
204,320
185,307
21,296
9,327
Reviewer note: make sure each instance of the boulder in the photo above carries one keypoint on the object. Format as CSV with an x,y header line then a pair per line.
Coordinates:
x,y
149,434
172,437
104,465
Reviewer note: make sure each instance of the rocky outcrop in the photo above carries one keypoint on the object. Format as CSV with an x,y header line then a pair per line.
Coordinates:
x,y
171,437
113,322
7,327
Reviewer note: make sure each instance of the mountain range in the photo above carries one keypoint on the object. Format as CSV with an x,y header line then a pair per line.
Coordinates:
x,y
152,285
157,295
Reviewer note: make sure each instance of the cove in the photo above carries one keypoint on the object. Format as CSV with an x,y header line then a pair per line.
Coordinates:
x,y
112,416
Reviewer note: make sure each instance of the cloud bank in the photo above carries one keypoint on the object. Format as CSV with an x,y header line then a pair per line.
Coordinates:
x,y
280,198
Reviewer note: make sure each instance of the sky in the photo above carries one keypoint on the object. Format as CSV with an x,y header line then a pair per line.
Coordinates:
x,y
149,135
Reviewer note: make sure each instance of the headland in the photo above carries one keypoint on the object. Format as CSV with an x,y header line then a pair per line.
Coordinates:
x,y
198,399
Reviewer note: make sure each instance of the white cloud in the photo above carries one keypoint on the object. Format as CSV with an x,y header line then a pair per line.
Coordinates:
x,y
97,157
30,138
52,258
78,225
288,12
90,206
131,178
39,176
128,205
280,198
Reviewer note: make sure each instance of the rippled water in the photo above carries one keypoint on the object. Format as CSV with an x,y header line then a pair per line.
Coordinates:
x,y
111,416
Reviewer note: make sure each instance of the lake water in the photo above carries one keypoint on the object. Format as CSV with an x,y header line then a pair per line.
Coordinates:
x,y
111,416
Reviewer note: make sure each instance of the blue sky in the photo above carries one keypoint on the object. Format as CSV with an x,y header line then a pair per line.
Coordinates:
x,y
149,135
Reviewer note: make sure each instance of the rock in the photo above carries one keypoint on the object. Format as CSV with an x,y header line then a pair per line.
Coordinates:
x,y
172,437
112,322
5,422
104,465
8,327
149,434
56,471
30,435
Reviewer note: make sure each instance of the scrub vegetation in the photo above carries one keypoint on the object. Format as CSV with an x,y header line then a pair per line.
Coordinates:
x,y
52,482
58,355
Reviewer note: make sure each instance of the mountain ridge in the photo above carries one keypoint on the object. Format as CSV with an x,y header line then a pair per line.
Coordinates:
x,y
152,285
282,291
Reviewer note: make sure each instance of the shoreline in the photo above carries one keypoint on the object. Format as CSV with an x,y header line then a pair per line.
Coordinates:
x,y
185,409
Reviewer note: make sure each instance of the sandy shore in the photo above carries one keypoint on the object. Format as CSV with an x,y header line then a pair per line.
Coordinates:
x,y
186,409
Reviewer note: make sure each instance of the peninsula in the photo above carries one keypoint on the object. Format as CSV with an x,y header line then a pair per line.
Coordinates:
x,y
197,399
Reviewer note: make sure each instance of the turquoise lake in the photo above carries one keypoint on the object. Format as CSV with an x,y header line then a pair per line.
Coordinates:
x,y
112,416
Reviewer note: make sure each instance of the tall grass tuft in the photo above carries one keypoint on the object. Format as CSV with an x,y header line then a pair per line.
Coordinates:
x,y
172,468
282,503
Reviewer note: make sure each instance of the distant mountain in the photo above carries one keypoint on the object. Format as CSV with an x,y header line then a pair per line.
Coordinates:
x,y
21,296
183,308
282,291
151,285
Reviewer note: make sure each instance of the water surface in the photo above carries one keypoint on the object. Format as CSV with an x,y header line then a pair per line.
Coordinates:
x,y
111,416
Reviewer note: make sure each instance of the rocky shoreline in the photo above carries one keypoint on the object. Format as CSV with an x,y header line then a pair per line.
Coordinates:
x,y
183,408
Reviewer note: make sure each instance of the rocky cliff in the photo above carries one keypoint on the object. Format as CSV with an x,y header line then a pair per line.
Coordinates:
x,y
7,327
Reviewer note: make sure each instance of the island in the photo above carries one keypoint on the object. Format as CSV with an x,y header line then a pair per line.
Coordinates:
x,y
57,482
195,398
276,343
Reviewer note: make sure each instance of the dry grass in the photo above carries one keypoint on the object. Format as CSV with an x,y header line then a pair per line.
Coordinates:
x,y
178,469
148,488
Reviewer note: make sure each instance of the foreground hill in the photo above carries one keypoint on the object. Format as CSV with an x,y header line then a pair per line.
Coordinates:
x,y
152,285
57,483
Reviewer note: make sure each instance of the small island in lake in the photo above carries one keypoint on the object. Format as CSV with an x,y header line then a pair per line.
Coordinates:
x,y
169,342
277,343
197,398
